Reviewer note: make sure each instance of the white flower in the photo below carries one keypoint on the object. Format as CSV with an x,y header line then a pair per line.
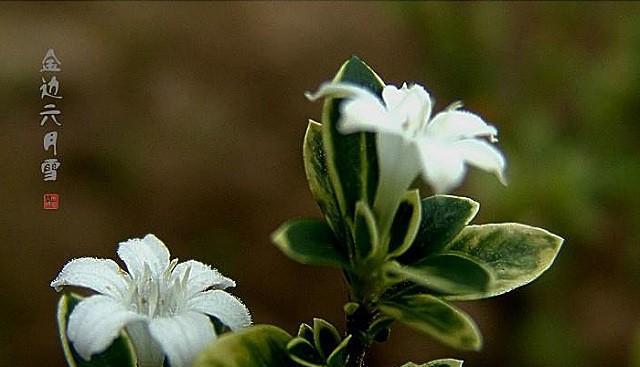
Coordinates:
x,y
410,142
164,305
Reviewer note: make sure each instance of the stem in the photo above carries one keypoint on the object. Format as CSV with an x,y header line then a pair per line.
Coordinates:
x,y
357,325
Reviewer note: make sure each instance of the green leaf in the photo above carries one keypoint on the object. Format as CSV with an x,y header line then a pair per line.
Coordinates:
x,y
309,241
365,231
437,318
338,357
405,224
446,273
514,253
437,363
255,346
443,217
350,308
303,353
351,159
379,328
326,337
315,166
120,354
305,331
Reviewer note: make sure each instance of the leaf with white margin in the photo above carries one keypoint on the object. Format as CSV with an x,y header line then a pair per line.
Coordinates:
x,y
96,322
514,253
435,317
315,167
446,273
120,353
309,241
256,346
352,159
405,224
365,232
443,217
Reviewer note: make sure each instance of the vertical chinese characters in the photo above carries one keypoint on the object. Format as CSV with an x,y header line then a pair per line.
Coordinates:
x,y
50,92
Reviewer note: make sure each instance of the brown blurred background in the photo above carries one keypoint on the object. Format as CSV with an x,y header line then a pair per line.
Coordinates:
x,y
186,120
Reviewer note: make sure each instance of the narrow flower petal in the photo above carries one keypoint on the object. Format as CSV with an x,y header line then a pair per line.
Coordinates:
x,y
456,124
363,111
182,336
200,277
149,250
442,167
223,306
482,155
95,322
101,275
339,90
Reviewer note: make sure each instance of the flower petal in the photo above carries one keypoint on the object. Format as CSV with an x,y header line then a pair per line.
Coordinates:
x,y
95,322
442,167
367,115
149,250
223,306
339,90
101,275
392,95
482,155
410,107
456,124
182,336
201,277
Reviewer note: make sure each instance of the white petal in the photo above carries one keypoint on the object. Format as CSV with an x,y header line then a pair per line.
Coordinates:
x,y
182,336
223,306
149,250
456,124
101,275
339,90
367,115
363,111
392,96
442,167
201,277
95,322
410,106
482,155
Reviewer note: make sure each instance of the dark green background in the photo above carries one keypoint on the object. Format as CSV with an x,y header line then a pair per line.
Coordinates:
x,y
186,120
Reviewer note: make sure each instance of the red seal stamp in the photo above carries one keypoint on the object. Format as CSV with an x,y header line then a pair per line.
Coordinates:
x,y
51,202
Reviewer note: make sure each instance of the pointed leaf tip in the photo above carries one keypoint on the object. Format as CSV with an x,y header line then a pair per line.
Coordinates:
x,y
515,254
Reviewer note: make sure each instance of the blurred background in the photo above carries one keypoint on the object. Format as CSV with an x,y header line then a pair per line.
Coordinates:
x,y
186,120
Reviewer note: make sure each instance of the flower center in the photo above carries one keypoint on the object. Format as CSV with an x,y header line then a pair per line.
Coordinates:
x,y
158,295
